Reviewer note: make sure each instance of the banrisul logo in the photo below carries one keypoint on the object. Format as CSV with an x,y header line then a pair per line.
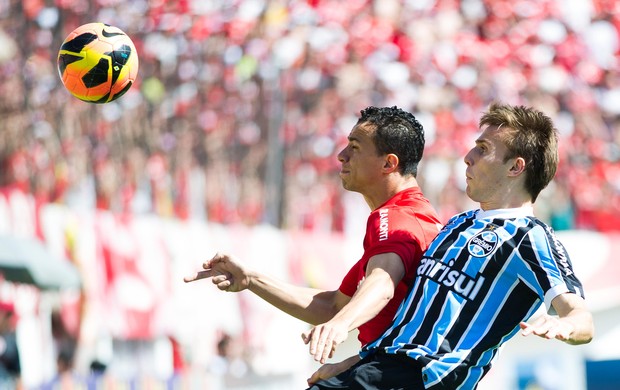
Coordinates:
x,y
482,244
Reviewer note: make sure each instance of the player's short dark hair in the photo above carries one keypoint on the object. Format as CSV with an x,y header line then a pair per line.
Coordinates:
x,y
397,132
530,134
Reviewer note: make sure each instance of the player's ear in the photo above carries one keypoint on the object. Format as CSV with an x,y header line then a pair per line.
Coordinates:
x,y
391,162
518,166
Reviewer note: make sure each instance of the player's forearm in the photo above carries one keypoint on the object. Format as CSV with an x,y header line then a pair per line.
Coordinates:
x,y
307,304
371,297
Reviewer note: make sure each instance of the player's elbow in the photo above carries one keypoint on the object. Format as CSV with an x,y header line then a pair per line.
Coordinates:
x,y
385,287
388,293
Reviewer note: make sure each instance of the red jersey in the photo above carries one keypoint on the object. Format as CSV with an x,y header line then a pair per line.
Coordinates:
x,y
405,225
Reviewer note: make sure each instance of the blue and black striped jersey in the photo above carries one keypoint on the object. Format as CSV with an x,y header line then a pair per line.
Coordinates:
x,y
484,273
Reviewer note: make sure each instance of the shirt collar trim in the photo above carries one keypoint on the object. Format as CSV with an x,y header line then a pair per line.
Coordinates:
x,y
525,211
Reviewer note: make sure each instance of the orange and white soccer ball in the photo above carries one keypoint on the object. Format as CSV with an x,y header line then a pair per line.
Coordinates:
x,y
97,63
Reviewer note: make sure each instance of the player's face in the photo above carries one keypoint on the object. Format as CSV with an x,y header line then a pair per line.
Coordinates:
x,y
487,173
361,164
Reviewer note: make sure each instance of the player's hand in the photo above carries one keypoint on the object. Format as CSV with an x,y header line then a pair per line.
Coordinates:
x,y
326,371
329,370
548,327
323,339
225,272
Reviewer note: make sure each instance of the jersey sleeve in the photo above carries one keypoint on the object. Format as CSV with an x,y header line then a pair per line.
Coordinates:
x,y
554,271
352,279
391,232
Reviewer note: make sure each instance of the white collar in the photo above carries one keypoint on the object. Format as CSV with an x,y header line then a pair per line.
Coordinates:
x,y
524,211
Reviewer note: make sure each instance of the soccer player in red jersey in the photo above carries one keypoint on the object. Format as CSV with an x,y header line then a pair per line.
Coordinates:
x,y
380,161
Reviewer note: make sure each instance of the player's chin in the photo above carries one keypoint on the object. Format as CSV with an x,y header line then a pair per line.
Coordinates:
x,y
345,183
472,194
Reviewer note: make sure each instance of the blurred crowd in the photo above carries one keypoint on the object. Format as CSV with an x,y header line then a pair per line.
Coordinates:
x,y
241,105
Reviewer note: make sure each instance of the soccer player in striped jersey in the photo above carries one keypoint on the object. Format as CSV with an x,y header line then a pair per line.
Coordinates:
x,y
485,274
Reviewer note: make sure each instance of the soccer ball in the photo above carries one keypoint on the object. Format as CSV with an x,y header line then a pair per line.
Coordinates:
x,y
97,63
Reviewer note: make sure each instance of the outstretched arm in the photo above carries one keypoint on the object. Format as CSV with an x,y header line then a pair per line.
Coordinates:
x,y
573,324
383,273
307,304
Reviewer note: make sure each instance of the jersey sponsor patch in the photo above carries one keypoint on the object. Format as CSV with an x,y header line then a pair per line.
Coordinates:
x,y
453,278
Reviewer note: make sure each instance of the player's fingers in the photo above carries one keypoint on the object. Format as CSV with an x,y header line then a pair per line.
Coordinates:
x,y
224,285
217,258
305,336
198,275
222,281
316,350
563,335
559,330
331,353
551,333
327,350
535,326
314,339
545,328
526,329
313,378
323,346
219,278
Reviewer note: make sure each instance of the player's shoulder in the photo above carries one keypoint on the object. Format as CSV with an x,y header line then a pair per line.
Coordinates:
x,y
465,215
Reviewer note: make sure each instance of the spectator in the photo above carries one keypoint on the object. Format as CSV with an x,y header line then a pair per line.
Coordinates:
x,y
195,120
10,367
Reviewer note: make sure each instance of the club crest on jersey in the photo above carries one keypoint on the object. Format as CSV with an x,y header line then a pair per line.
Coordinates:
x,y
482,244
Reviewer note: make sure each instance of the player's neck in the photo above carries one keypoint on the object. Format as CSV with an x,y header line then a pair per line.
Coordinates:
x,y
388,190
